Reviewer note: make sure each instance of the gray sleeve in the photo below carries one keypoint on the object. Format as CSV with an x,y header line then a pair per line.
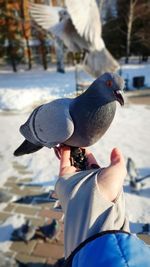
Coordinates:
x,y
87,212
66,184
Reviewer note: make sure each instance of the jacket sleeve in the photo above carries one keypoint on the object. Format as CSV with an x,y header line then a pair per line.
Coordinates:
x,y
111,248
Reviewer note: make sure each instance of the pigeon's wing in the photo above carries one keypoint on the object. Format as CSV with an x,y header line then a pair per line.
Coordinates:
x,y
67,32
53,124
99,62
86,19
80,30
45,16
48,18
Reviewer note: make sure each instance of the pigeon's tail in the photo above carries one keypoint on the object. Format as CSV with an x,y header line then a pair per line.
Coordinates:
x,y
26,148
99,62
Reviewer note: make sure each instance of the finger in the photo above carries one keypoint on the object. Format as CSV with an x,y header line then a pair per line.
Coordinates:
x,y
65,157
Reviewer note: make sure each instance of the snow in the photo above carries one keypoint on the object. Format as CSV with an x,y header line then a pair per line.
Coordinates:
x,y
21,91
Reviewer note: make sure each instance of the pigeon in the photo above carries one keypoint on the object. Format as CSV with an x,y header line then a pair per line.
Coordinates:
x,y
25,233
79,27
135,178
131,169
50,231
75,122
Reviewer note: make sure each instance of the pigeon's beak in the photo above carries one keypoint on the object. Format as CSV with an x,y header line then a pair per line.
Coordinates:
x,y
119,97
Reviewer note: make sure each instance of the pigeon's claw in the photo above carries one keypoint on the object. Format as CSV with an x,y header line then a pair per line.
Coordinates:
x,y
119,97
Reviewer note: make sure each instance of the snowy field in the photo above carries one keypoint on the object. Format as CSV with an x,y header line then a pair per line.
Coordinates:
x,y
23,90
130,131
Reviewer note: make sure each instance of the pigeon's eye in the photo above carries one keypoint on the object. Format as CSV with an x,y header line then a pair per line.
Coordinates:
x,y
109,83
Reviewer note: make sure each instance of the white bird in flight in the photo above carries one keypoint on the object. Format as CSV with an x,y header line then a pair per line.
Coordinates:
x,y
78,25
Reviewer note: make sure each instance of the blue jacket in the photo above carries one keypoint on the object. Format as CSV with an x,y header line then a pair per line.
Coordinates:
x,y
111,249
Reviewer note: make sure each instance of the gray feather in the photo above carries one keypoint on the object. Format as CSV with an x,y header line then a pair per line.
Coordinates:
x,y
51,125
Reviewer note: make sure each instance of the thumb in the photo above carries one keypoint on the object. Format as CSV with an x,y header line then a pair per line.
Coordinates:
x,y
116,157
111,178
118,166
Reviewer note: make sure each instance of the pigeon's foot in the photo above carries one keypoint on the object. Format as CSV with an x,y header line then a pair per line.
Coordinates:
x,y
78,158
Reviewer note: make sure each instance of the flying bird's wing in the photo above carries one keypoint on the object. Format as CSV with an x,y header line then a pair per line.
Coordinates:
x,y
45,16
86,19
79,29
49,19
66,31
99,62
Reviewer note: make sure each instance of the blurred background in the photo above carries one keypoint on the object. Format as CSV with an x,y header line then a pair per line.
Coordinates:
x,y
23,42
36,66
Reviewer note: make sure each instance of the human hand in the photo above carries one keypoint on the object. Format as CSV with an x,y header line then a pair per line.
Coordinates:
x,y
110,179
64,154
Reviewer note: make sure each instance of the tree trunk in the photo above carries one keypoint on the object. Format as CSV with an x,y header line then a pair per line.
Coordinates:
x,y
11,56
129,28
29,54
59,48
25,36
43,52
10,50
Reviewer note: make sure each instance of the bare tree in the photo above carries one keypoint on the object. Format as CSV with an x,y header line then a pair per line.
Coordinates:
x,y
10,36
25,32
130,20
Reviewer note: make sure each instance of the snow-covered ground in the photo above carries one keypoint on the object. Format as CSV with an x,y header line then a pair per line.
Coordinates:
x,y
23,90
130,131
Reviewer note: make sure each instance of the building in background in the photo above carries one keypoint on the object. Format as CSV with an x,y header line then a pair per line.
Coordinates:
x,y
21,40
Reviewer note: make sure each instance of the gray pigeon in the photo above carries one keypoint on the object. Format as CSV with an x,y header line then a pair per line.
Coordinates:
x,y
51,230
131,169
76,122
135,178
25,233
